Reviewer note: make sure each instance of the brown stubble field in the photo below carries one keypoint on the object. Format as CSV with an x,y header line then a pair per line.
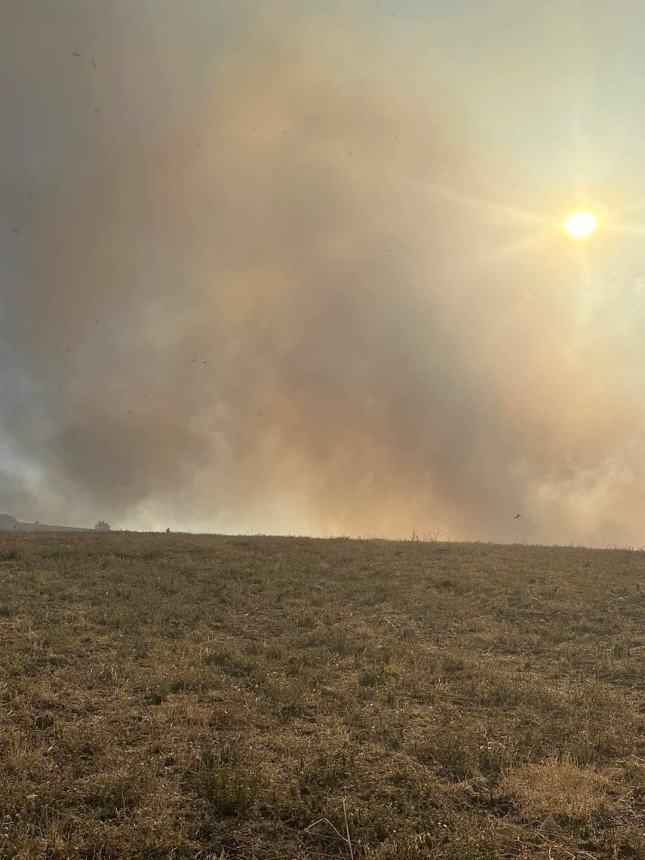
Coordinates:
x,y
175,696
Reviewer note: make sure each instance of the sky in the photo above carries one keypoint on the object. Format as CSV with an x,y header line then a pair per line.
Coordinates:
x,y
299,267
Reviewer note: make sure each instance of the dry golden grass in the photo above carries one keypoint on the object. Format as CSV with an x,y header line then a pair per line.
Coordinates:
x,y
562,789
168,696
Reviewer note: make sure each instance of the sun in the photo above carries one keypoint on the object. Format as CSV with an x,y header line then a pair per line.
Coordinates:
x,y
580,224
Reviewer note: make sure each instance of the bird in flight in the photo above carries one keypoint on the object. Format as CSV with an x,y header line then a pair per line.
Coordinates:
x,y
517,516
76,54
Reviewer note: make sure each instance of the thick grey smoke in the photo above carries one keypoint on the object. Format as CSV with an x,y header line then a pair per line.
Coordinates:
x,y
240,291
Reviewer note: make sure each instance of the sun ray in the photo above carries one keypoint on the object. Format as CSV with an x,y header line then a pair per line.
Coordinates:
x,y
629,229
510,250
512,213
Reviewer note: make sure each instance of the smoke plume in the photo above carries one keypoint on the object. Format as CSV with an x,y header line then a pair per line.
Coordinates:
x,y
248,283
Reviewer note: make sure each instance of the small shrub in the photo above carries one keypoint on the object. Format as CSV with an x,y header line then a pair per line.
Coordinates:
x,y
329,769
114,794
234,665
226,780
371,678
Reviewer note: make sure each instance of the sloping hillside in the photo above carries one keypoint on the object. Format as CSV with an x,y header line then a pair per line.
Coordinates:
x,y
9,523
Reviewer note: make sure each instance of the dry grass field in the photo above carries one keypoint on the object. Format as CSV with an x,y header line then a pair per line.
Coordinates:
x,y
173,696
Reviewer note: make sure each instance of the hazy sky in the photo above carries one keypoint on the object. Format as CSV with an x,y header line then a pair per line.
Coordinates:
x,y
299,266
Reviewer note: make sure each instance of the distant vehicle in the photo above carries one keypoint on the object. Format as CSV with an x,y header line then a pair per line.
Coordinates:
x,y
102,526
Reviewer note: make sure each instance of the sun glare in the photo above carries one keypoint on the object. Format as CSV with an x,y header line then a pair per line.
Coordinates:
x,y
580,224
